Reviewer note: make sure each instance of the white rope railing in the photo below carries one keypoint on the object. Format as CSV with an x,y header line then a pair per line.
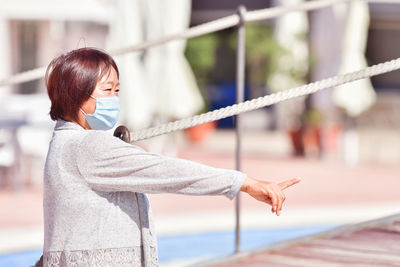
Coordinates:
x,y
267,100
202,29
209,27
25,76
257,103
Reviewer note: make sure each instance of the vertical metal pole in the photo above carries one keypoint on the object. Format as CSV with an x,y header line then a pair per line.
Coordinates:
x,y
240,67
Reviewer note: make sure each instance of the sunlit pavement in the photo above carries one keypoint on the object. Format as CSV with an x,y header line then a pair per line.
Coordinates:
x,y
330,194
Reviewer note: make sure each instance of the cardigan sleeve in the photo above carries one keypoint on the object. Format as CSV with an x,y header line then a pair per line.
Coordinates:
x,y
109,164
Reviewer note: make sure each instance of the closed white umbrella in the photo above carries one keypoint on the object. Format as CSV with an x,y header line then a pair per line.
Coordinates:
x,y
355,97
292,67
172,81
137,104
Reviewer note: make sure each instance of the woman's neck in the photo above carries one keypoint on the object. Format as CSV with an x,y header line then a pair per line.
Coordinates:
x,y
80,121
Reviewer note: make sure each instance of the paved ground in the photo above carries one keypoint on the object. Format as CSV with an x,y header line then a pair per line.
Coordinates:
x,y
330,193
371,243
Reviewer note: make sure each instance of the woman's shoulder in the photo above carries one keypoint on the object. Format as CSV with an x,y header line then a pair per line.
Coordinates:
x,y
98,137
100,141
76,134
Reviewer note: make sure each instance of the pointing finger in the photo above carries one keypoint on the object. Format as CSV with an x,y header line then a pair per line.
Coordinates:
x,y
286,184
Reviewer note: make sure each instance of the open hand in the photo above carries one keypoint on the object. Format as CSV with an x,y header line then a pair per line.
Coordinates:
x,y
268,192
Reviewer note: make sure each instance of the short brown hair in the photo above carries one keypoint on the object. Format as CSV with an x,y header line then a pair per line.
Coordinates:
x,y
72,77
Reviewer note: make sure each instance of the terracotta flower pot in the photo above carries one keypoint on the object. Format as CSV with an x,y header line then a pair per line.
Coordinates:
x,y
296,138
200,132
312,141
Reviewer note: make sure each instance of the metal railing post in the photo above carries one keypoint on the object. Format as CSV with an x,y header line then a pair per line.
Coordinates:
x,y
240,67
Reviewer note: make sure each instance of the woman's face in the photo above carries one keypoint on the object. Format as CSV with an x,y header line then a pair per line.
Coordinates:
x,y
108,85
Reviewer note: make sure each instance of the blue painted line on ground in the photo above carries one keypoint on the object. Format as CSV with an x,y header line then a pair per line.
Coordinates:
x,y
20,259
178,247
222,243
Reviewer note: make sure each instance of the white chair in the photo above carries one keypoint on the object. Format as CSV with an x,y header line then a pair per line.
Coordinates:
x,y
7,158
34,144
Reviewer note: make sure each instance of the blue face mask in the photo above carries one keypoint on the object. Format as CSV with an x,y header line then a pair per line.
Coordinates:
x,y
106,113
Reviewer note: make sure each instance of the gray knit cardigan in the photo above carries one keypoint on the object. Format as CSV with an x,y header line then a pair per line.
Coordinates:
x,y
96,212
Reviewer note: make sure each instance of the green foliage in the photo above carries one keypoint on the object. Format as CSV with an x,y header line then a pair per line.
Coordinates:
x,y
262,51
263,56
260,42
313,117
200,52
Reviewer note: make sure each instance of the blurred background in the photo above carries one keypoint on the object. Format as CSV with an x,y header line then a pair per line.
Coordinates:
x,y
342,142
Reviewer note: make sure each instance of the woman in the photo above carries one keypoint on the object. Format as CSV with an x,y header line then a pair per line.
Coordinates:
x,y
96,212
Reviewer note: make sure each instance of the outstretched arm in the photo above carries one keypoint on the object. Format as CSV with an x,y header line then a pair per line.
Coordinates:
x,y
110,165
268,192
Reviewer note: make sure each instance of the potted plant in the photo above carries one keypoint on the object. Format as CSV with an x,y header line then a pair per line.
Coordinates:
x,y
200,55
